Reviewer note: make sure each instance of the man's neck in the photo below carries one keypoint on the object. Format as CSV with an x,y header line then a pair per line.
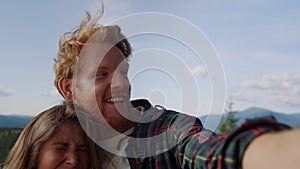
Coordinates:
x,y
124,127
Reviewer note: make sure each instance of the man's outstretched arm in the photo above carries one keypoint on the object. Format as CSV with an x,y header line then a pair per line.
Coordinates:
x,y
278,150
228,151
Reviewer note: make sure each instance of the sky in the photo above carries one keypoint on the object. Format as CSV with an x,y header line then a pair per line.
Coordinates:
x,y
257,43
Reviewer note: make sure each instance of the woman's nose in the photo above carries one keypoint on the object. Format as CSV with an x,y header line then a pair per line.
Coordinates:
x,y
72,159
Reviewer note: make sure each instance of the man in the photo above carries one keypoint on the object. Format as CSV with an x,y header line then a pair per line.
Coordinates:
x,y
91,71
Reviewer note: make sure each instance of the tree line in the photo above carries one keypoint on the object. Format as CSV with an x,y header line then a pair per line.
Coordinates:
x,y
8,137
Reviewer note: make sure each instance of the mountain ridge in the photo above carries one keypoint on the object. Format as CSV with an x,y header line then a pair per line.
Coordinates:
x,y
14,121
293,120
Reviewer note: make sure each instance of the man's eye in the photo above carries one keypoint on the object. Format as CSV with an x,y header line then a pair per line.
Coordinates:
x,y
124,72
101,74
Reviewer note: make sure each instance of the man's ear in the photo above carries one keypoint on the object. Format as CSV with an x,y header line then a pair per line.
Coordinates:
x,y
65,87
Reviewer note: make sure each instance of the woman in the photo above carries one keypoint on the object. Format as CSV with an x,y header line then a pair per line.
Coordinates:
x,y
53,139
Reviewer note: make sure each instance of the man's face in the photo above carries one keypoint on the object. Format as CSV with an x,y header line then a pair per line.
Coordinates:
x,y
101,84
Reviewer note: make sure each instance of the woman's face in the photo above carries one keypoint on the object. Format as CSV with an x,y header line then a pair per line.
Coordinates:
x,y
66,149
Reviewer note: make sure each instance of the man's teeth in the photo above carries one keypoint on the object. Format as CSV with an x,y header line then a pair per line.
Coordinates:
x,y
115,99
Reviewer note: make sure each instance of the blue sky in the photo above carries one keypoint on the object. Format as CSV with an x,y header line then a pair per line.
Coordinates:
x,y
257,42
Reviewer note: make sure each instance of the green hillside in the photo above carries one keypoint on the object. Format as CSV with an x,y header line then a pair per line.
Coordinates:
x,y
8,137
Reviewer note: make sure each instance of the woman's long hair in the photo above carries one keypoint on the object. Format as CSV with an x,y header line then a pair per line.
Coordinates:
x,y
25,152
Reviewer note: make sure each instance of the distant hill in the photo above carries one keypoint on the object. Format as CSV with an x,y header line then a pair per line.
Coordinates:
x,y
292,120
14,121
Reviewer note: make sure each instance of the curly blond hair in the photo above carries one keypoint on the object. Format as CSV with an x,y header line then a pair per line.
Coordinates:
x,y
71,44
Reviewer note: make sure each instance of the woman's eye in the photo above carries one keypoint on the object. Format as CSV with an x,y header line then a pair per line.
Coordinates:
x,y
60,148
83,148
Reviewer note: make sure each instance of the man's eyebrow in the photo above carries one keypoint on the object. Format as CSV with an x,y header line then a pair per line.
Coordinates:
x,y
103,68
122,65
126,64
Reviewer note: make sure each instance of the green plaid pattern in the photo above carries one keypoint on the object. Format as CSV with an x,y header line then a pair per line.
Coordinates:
x,y
197,147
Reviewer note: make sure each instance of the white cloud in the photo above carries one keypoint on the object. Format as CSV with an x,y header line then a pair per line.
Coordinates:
x,y
290,96
280,89
235,95
271,82
5,91
242,98
198,71
53,93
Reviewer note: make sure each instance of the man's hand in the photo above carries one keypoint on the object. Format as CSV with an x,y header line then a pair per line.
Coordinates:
x,y
280,150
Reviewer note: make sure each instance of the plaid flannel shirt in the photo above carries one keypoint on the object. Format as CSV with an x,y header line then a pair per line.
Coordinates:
x,y
196,147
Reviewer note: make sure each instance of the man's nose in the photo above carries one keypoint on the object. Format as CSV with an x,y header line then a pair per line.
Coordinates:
x,y
72,159
119,81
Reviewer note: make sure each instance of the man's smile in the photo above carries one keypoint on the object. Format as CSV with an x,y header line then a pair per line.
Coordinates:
x,y
116,99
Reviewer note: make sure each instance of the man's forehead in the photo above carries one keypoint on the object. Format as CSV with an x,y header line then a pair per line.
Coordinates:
x,y
106,65
95,50
101,56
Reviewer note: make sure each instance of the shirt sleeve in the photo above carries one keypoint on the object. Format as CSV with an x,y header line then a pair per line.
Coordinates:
x,y
206,150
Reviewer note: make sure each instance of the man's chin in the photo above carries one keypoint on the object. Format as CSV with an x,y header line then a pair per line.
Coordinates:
x,y
119,124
